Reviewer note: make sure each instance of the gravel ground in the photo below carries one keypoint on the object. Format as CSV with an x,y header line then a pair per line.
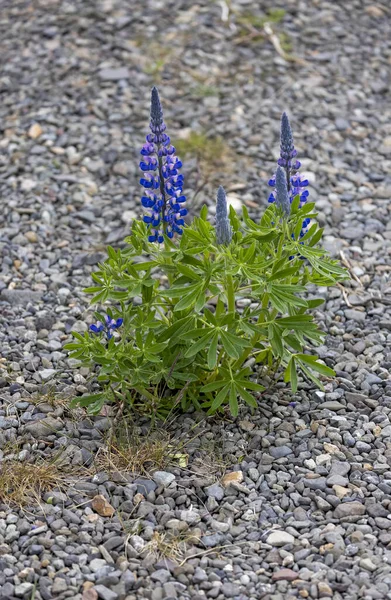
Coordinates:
x,y
306,513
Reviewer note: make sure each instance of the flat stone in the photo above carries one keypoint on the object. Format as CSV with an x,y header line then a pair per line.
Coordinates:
x,y
96,564
20,297
347,509
161,575
279,538
339,467
332,405
144,486
285,575
114,74
280,451
355,315
47,374
337,480
163,478
215,491
44,427
104,593
368,564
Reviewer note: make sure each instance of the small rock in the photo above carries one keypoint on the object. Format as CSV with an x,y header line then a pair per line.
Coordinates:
x,y
285,574
215,491
234,477
31,236
114,74
163,478
324,590
47,374
368,564
279,538
332,405
104,593
35,131
102,506
347,509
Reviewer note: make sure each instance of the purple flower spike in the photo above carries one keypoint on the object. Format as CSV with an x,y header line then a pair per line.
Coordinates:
x,y
287,163
223,226
282,197
161,179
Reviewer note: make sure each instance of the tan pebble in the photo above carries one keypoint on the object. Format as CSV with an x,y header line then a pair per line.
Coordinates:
x,y
377,431
324,590
246,425
367,467
90,594
325,548
234,477
87,585
374,11
57,150
340,491
102,506
31,236
138,498
304,593
330,448
17,263
45,563
35,131
93,518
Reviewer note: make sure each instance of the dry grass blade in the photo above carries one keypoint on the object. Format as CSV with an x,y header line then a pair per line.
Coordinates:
x,y
24,483
173,546
127,451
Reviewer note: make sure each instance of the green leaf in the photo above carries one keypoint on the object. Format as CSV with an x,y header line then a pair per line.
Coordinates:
x,y
179,291
296,322
112,253
248,398
204,212
284,273
233,402
316,237
200,345
212,352
92,290
315,302
313,363
291,374
101,297
295,205
213,386
187,271
90,399
218,401
187,301
231,349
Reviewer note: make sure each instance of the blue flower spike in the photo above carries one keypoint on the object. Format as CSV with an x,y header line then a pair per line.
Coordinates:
x,y
109,326
223,226
163,196
287,164
282,196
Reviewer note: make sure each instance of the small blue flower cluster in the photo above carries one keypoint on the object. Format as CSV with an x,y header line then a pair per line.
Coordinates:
x,y
288,185
109,326
161,179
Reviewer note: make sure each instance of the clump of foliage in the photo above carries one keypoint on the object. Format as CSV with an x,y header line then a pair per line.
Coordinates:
x,y
191,304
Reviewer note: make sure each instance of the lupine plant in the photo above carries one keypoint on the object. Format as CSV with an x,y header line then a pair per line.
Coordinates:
x,y
196,314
